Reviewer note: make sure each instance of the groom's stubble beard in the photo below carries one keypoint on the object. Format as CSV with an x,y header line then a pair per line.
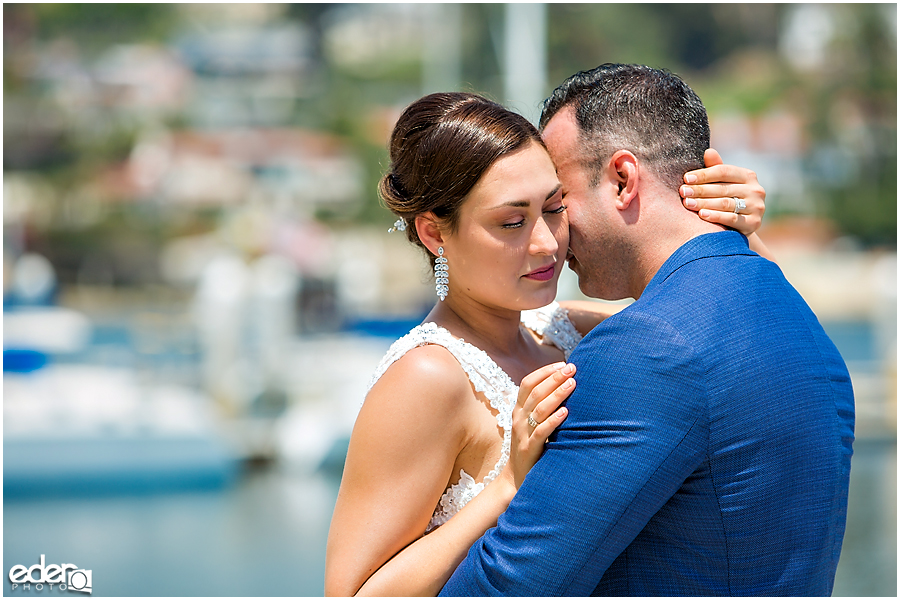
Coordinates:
x,y
604,267
602,249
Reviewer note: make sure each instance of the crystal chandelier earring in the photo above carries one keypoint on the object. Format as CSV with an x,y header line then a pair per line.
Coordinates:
x,y
441,277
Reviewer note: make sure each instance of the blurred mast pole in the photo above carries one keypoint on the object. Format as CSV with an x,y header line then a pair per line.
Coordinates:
x,y
525,58
441,47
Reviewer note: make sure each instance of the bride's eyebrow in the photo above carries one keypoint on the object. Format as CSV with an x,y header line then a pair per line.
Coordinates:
x,y
526,203
513,204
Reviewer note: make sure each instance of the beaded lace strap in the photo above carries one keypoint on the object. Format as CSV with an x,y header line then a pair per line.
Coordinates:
x,y
552,323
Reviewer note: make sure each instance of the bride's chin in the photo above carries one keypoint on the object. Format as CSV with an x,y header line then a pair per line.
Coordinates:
x,y
540,300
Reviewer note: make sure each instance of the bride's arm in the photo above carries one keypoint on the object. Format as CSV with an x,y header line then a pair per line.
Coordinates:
x,y
587,314
402,451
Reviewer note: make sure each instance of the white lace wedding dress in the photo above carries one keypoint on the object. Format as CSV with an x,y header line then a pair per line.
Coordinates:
x,y
551,323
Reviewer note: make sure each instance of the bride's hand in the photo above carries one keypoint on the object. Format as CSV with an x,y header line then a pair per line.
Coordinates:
x,y
712,192
540,395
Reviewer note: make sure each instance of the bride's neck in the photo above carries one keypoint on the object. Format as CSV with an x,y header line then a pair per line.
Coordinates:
x,y
496,331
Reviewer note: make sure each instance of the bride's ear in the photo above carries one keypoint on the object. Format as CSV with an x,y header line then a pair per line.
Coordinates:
x,y
429,230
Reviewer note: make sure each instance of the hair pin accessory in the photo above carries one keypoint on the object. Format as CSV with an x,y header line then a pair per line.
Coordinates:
x,y
399,225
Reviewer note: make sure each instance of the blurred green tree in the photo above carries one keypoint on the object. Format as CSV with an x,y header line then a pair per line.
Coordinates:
x,y
733,54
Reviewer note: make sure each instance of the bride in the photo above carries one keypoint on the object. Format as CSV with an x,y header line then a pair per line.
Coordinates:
x,y
460,408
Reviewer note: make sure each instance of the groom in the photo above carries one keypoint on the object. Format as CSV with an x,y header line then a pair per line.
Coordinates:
x,y
707,447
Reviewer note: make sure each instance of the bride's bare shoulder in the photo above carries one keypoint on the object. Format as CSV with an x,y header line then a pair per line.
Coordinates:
x,y
427,375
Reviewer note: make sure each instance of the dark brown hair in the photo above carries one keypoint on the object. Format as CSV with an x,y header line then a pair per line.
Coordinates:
x,y
440,147
651,112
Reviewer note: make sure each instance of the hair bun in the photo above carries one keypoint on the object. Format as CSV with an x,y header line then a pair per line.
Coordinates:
x,y
397,189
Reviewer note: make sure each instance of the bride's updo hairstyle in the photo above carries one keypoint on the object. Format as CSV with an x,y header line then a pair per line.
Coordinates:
x,y
440,147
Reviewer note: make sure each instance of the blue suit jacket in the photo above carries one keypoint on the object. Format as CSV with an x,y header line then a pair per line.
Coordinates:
x,y
706,452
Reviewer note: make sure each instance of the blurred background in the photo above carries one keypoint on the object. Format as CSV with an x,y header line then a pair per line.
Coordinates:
x,y
198,280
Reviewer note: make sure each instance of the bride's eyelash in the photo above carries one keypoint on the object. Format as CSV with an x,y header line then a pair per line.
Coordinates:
x,y
518,224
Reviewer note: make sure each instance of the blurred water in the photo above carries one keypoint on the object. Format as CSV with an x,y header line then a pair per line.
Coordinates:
x,y
265,535
868,565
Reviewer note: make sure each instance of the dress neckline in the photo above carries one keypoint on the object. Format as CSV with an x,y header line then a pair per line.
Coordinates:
x,y
490,362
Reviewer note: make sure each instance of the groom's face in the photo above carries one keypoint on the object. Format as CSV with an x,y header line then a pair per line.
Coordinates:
x,y
595,242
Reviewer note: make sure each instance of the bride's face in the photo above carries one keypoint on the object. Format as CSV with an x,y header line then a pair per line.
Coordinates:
x,y
513,233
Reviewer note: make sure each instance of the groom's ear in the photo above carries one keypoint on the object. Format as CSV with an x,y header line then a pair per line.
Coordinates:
x,y
623,168
429,229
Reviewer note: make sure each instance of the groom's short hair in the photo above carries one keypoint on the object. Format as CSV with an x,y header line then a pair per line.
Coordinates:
x,y
651,112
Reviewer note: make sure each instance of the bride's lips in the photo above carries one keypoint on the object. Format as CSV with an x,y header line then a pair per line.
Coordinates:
x,y
543,274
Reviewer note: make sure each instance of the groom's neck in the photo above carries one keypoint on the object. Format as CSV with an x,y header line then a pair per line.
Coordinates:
x,y
664,227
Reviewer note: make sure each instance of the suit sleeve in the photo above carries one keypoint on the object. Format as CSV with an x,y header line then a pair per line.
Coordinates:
x,y
637,428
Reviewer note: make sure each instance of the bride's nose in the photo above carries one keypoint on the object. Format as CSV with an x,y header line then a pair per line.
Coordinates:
x,y
542,239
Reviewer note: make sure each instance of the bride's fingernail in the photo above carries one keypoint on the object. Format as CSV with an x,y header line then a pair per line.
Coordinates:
x,y
690,203
690,178
687,191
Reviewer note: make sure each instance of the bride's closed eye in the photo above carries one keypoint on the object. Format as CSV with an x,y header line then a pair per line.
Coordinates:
x,y
550,211
515,225
554,203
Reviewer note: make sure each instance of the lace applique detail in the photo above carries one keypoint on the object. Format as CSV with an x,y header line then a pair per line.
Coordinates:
x,y
552,323
487,378
458,495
